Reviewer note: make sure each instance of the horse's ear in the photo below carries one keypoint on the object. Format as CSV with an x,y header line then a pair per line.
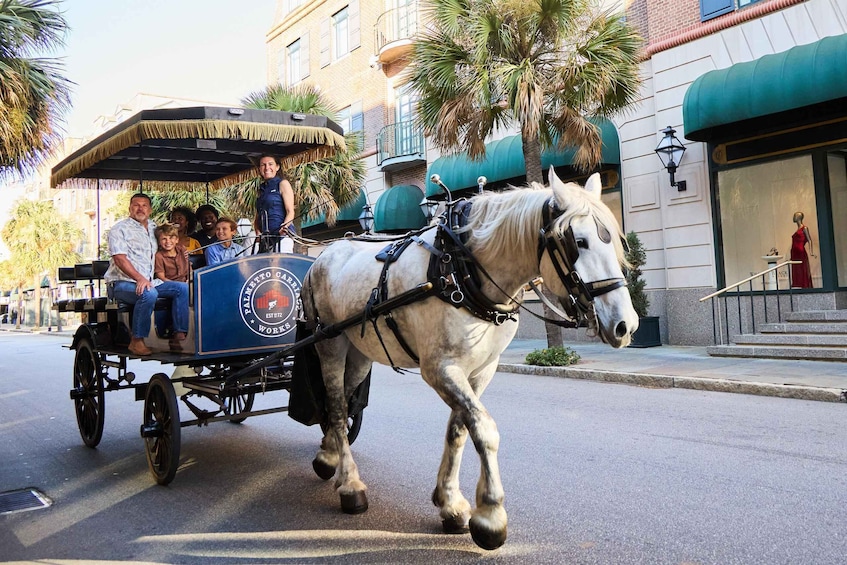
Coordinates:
x,y
594,185
553,179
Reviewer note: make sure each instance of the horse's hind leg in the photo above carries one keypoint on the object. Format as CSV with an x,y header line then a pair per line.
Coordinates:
x,y
339,366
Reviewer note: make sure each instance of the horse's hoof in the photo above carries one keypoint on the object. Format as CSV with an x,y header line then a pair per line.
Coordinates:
x,y
486,538
455,525
323,470
354,503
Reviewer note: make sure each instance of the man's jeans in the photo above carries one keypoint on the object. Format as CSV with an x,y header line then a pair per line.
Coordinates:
x,y
124,291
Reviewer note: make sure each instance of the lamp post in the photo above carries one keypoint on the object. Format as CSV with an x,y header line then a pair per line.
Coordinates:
x,y
670,151
428,207
366,218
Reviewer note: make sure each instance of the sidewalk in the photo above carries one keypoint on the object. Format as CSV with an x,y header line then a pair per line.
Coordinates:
x,y
669,366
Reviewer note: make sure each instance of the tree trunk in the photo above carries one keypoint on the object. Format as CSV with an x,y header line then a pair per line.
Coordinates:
x,y
532,157
37,298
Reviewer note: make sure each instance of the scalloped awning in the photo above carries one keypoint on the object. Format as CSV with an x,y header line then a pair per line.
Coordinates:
x,y
504,160
801,76
398,209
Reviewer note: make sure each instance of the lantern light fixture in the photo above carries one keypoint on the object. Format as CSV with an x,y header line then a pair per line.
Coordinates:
x,y
670,151
366,218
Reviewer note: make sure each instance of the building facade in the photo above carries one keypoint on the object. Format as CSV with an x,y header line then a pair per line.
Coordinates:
x,y
755,90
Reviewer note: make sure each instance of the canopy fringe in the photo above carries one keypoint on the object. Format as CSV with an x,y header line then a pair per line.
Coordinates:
x,y
327,144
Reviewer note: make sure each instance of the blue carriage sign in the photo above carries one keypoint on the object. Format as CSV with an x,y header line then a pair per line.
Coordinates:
x,y
250,304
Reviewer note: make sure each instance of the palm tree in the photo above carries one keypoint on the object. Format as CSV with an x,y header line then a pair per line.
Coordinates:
x,y
39,241
33,93
320,187
547,67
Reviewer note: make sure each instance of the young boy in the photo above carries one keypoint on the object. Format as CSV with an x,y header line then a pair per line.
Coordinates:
x,y
170,272
171,262
225,249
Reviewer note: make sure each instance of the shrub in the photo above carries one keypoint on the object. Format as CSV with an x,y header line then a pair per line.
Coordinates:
x,y
552,357
636,256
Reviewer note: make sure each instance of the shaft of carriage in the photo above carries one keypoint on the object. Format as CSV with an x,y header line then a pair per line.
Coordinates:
x,y
414,294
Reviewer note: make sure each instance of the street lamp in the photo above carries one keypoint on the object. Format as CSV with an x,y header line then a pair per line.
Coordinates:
x,y
366,218
428,207
670,151
480,183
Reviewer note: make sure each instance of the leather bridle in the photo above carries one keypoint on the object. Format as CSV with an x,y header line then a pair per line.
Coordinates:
x,y
563,249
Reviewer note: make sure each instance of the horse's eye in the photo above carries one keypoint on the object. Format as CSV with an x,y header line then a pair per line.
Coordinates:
x,y
583,243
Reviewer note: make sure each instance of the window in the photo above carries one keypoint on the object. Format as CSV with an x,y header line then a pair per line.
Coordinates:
x,y
710,9
293,63
407,138
297,60
290,6
837,168
758,204
340,34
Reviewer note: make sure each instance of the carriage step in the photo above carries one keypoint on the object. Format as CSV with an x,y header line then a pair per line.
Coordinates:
x,y
154,429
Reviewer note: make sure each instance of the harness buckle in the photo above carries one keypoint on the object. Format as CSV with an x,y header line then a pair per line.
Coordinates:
x,y
457,297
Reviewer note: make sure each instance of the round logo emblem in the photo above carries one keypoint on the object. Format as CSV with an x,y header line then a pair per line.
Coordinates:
x,y
268,301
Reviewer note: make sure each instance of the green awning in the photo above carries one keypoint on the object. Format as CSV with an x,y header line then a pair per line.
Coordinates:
x,y
398,209
350,212
802,76
504,160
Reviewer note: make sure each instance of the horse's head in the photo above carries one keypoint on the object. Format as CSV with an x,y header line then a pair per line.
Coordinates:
x,y
582,260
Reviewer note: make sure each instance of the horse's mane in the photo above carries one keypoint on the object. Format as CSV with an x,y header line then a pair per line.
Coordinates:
x,y
508,222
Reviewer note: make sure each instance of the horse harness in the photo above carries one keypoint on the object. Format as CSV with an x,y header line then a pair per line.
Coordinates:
x,y
455,274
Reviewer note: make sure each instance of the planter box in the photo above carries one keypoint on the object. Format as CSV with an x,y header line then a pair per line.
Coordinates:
x,y
647,334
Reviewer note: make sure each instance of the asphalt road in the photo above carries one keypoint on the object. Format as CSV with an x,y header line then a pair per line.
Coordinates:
x,y
593,472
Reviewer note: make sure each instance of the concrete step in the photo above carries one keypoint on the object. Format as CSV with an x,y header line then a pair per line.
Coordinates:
x,y
805,328
817,316
771,352
792,340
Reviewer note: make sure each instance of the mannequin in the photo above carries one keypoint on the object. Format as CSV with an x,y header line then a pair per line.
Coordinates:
x,y
801,274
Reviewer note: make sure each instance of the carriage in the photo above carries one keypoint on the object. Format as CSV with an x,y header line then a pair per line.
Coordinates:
x,y
443,299
243,313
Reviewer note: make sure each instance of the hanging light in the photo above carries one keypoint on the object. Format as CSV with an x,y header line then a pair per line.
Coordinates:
x,y
428,207
670,151
366,218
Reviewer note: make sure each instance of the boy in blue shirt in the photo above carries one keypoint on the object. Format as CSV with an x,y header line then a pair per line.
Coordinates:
x,y
225,249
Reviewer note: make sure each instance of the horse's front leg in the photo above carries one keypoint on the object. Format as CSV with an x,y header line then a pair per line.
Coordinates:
x,y
488,521
453,507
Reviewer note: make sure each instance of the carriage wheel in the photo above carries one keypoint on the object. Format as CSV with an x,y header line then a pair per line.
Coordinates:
x,y
354,424
237,404
161,428
88,393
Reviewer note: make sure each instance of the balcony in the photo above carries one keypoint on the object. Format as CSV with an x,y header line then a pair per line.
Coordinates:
x,y
400,146
394,31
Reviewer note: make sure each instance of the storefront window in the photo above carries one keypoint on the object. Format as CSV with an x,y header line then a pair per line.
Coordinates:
x,y
758,206
837,166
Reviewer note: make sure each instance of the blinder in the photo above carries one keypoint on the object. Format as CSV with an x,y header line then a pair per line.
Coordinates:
x,y
563,249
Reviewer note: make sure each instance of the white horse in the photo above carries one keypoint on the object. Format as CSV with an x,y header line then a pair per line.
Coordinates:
x,y
458,352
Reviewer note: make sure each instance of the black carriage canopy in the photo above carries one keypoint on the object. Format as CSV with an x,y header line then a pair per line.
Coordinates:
x,y
196,148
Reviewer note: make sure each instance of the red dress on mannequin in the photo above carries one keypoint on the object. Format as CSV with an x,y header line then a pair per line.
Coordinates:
x,y
801,274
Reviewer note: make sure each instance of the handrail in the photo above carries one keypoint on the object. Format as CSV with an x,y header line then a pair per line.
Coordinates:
x,y
750,278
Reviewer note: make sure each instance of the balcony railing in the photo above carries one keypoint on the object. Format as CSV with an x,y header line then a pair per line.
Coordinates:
x,y
395,25
402,142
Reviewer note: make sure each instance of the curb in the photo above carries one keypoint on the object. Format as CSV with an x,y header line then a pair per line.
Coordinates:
x,y
797,392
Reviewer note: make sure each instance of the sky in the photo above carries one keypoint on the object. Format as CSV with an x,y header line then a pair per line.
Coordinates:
x,y
209,50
